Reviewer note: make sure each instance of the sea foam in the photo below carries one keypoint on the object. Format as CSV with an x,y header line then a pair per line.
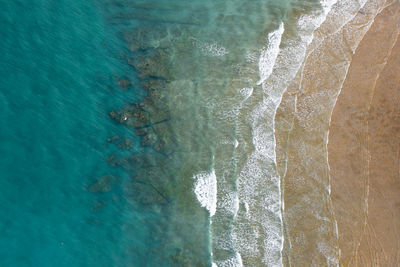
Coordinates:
x,y
206,190
270,53
258,182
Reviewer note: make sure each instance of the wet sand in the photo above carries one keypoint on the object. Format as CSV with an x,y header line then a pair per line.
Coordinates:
x,y
364,149
313,227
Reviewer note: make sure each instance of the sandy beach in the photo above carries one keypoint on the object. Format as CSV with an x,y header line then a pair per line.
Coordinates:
x,y
325,206
364,149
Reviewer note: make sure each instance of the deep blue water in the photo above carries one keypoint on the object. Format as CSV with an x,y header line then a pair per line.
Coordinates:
x,y
60,67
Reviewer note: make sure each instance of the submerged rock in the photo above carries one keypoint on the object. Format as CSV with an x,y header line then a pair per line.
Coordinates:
x,y
133,115
152,63
153,50
104,184
124,143
124,83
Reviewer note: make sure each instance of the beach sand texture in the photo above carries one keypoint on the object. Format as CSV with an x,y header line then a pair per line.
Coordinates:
x,y
364,149
329,216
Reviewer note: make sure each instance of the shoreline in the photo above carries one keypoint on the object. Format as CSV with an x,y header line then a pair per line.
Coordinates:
x,y
303,118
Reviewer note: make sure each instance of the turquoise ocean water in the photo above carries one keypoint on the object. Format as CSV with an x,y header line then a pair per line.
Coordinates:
x,y
59,68
119,121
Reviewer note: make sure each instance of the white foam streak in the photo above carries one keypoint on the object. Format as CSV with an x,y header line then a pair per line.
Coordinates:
x,y
235,261
269,54
246,93
259,183
205,189
236,143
